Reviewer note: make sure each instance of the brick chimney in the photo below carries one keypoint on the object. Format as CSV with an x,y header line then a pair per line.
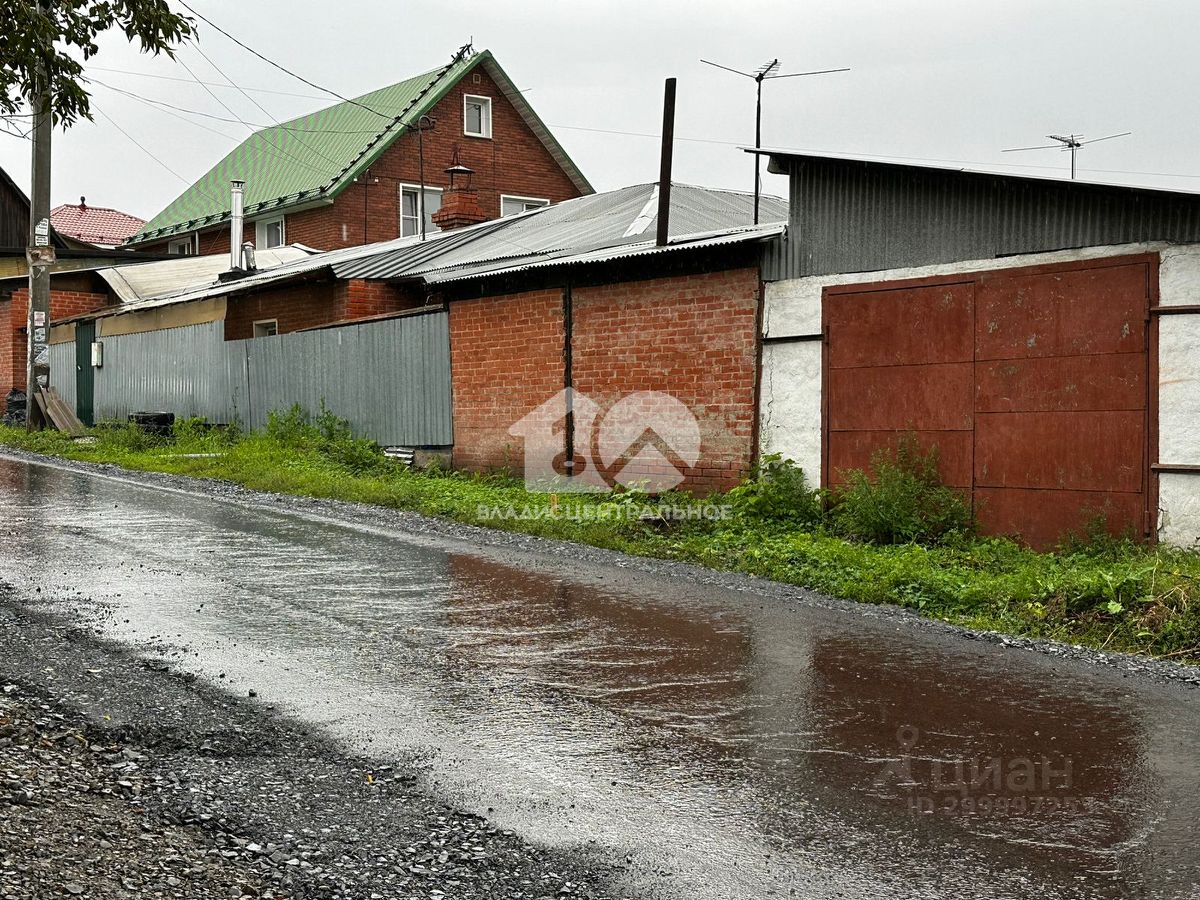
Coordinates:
x,y
460,203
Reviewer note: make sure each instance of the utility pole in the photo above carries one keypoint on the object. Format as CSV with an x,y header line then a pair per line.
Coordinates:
x,y
40,252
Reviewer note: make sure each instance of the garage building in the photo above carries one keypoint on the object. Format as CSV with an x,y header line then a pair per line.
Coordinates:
x,y
1044,335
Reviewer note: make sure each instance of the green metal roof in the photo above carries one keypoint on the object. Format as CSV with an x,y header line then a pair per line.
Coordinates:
x,y
315,157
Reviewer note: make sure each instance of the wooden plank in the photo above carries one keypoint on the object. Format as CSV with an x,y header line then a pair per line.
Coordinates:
x,y
58,413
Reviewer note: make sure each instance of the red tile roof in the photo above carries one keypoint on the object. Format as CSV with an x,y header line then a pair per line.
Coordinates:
x,y
94,224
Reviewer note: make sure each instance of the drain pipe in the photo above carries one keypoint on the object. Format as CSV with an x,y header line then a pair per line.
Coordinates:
x,y
664,169
236,216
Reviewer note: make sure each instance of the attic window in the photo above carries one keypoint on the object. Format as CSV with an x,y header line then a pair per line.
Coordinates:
x,y
181,247
477,116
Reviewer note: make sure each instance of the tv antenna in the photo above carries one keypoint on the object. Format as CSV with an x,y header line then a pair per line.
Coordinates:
x,y
762,73
1071,142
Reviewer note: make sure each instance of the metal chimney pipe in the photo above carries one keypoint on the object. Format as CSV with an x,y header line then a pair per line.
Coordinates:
x,y
235,224
664,169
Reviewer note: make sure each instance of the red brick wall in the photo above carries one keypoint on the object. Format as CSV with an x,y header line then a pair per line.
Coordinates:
x,y
14,313
298,306
506,359
512,161
692,337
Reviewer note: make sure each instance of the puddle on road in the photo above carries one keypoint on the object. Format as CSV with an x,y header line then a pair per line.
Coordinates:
x,y
732,747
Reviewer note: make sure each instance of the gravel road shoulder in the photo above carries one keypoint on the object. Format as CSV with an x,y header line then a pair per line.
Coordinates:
x,y
122,779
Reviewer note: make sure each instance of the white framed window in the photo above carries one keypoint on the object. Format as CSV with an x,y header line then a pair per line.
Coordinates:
x,y
510,205
412,209
266,328
185,246
269,233
477,116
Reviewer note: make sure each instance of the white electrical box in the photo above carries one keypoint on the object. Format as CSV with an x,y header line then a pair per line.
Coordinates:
x,y
97,354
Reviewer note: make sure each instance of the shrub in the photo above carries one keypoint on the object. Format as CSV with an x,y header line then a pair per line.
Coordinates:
x,y
901,500
328,436
776,490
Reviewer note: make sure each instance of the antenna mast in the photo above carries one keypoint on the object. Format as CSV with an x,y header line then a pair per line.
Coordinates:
x,y
762,73
1067,142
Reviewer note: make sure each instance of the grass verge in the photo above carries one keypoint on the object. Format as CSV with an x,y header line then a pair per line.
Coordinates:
x,y
1102,593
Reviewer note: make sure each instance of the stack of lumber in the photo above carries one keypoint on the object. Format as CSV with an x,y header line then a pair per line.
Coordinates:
x,y
55,411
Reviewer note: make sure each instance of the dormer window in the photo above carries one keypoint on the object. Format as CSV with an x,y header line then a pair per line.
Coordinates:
x,y
477,116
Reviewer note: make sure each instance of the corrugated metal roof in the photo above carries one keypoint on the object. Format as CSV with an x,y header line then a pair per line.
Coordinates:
x,y
592,228
146,281
864,215
314,157
597,222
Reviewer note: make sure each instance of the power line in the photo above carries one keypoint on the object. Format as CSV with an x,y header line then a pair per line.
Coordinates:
x,y
144,149
308,147
262,133
233,121
879,156
167,108
209,83
281,68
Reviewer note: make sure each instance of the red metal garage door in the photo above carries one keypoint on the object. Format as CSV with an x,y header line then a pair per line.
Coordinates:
x,y
1032,382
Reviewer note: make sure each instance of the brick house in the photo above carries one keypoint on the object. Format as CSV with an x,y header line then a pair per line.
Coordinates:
x,y
351,174
587,301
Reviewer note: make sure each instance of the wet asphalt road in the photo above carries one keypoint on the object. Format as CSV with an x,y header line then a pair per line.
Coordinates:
x,y
727,745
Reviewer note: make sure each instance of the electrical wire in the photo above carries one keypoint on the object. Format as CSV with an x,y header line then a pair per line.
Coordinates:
x,y
281,68
234,121
146,150
265,112
209,83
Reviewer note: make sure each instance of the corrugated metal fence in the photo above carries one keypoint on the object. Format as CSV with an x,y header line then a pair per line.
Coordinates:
x,y
62,371
389,379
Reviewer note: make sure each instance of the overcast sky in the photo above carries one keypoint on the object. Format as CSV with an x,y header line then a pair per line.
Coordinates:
x,y
942,80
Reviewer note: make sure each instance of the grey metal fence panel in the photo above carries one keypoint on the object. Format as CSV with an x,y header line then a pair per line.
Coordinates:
x,y
180,370
389,379
62,371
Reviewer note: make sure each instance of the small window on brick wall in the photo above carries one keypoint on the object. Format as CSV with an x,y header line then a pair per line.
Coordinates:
x,y
266,328
269,233
182,246
477,116
411,209
510,206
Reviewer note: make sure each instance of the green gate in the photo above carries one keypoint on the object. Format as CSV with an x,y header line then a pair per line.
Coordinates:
x,y
85,375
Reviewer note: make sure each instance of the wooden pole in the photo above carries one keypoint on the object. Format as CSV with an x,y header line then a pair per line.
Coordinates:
x,y
40,252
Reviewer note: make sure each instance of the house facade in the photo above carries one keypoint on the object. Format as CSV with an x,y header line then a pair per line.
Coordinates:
x,y
352,174
576,297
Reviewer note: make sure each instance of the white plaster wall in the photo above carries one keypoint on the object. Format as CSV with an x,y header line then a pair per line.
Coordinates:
x,y
790,416
1179,390
1179,510
1179,275
790,405
1179,396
